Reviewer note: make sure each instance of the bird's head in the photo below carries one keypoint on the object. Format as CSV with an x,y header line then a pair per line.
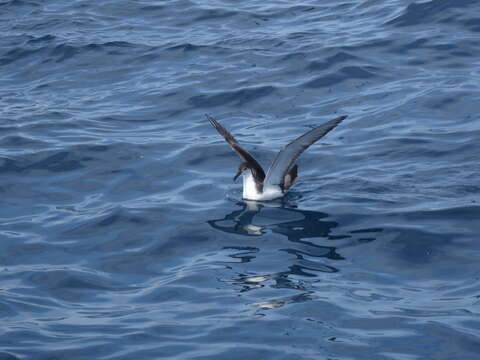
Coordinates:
x,y
241,168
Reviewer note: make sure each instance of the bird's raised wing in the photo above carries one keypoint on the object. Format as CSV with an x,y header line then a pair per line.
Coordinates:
x,y
285,159
254,166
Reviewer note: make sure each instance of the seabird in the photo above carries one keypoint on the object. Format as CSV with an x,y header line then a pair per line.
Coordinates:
x,y
282,172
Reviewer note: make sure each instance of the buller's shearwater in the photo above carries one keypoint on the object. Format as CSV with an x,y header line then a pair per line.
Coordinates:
x,y
283,171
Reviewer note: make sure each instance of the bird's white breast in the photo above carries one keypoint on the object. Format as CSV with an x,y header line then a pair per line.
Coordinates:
x,y
250,191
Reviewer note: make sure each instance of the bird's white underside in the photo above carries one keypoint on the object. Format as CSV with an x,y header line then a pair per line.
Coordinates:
x,y
250,192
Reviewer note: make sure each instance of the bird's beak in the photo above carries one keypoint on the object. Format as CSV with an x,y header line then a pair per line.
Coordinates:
x,y
237,175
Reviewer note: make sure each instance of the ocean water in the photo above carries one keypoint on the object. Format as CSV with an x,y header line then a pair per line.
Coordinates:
x,y
122,235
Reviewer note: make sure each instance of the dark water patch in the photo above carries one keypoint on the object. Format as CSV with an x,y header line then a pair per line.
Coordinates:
x,y
472,25
344,74
126,118
7,356
17,141
461,53
57,162
213,14
64,52
338,58
236,98
98,148
305,267
41,39
417,62
153,8
429,12
44,50
467,213
444,47
298,36
18,54
443,103
413,45
170,293
380,44
186,47
19,3
116,45
96,220
66,281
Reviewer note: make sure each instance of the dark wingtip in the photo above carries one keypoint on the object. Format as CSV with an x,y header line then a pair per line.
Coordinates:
x,y
338,120
212,120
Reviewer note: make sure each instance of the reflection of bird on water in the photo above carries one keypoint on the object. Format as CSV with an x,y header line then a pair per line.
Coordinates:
x,y
254,219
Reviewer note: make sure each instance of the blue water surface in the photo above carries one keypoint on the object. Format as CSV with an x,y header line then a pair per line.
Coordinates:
x,y
122,235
